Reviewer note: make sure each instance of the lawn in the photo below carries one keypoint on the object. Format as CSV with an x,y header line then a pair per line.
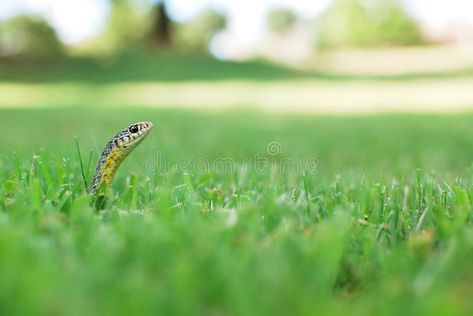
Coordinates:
x,y
199,82
307,215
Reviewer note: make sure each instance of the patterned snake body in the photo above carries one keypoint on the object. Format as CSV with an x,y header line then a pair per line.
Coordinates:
x,y
116,150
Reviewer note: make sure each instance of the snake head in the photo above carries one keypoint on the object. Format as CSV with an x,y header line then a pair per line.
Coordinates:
x,y
130,137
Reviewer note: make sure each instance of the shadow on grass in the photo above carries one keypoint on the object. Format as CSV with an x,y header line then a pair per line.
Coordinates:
x,y
174,67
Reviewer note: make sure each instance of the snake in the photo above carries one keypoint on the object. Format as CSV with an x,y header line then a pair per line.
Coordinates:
x,y
115,152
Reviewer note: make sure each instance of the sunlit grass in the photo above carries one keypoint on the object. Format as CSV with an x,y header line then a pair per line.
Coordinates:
x,y
299,96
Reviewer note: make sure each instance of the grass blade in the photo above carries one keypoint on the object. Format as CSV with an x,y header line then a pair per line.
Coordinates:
x,y
81,164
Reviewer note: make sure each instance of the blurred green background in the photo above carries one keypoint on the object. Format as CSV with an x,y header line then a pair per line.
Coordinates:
x,y
376,93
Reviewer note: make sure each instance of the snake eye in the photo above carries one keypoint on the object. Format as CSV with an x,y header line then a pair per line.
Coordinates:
x,y
133,129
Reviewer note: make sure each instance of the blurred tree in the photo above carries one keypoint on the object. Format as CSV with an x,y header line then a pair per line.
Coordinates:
x,y
281,20
162,25
196,34
127,27
28,36
367,23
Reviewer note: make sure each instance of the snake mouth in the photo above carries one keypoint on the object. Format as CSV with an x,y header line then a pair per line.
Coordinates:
x,y
145,126
140,129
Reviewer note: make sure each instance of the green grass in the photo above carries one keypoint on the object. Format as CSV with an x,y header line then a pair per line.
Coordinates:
x,y
381,226
374,217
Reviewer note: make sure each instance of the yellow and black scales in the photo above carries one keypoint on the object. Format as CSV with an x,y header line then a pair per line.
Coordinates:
x,y
116,150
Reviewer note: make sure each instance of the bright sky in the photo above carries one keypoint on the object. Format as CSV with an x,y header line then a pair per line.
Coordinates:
x,y
76,20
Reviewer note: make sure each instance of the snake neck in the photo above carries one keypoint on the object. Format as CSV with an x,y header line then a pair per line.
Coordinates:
x,y
107,166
